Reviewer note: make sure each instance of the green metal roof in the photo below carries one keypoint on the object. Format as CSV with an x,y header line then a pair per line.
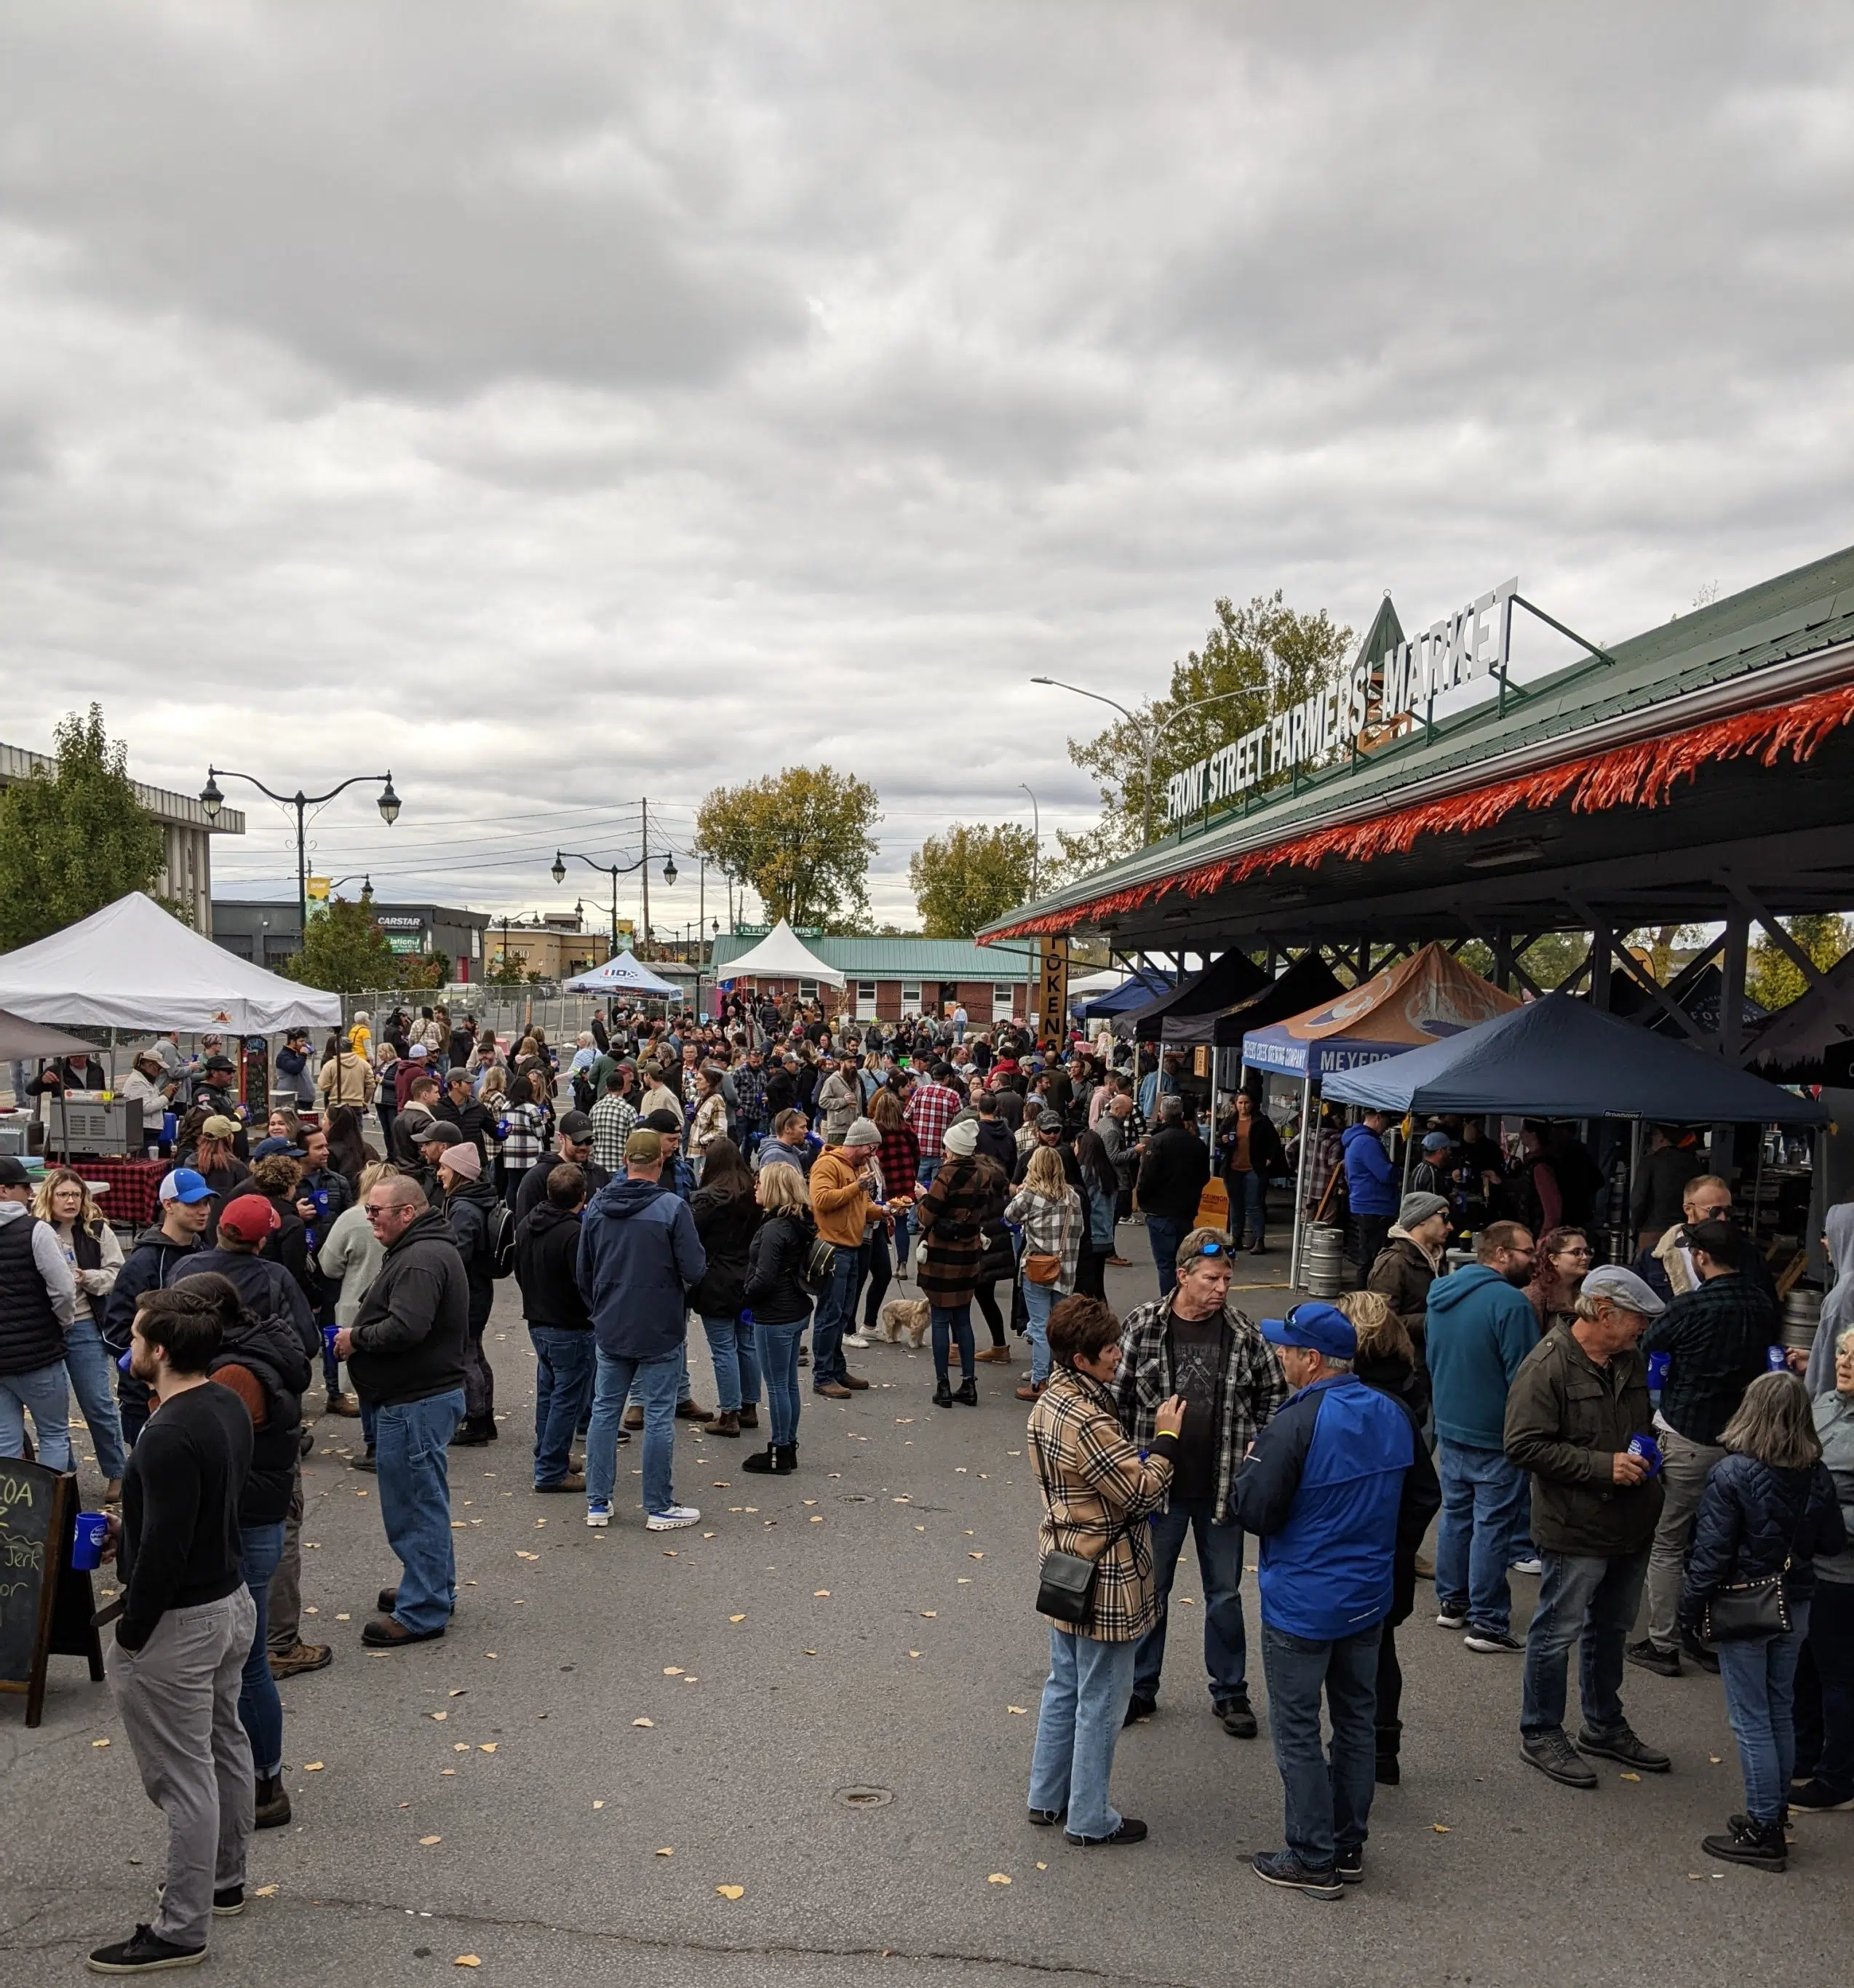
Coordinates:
x,y
899,958
1797,613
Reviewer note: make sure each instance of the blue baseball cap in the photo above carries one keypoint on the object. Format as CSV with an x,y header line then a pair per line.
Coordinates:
x,y
268,1148
185,1185
1436,1142
1320,1328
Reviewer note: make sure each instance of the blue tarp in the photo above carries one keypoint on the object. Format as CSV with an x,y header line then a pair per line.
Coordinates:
x,y
1559,1058
1135,991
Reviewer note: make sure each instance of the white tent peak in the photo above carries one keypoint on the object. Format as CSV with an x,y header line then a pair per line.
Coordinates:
x,y
624,973
782,954
132,966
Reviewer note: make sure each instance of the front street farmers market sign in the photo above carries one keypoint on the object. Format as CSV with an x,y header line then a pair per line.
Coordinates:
x,y
1472,642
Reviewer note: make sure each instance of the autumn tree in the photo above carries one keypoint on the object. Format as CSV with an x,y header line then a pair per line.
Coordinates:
x,y
344,952
1775,979
970,877
75,839
801,837
1255,661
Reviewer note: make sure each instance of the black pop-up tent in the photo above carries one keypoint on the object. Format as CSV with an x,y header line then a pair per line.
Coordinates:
x,y
1309,982
1559,1058
1235,977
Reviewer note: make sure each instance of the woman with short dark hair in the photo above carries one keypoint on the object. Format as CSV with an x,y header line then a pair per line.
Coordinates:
x,y
726,1216
1098,1493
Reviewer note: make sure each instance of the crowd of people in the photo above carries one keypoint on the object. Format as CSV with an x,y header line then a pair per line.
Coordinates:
x,y
775,1178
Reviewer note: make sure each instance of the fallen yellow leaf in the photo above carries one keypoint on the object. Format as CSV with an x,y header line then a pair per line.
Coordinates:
x,y
998,1878
1019,1708
1041,1867
1713,1758
974,1556
644,1722
344,1618
312,1766
488,1746
817,1519
672,1670
264,1891
458,1692
666,1851
930,1613
737,1618
598,1804
100,1742
731,1891
440,1717
914,1653
1441,1828
1628,1778
426,1841
467,1960
820,1595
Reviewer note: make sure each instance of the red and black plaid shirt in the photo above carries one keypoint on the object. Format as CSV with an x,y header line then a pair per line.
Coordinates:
x,y
930,1109
901,1163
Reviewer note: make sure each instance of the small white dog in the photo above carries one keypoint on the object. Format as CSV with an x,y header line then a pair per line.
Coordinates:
x,y
905,1317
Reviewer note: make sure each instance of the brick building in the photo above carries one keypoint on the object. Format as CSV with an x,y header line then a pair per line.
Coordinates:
x,y
886,978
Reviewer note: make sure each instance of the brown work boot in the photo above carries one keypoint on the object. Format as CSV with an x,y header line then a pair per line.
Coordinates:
x,y
831,1391
856,1382
1001,1353
750,1416
301,1656
633,1417
339,1404
727,1423
692,1411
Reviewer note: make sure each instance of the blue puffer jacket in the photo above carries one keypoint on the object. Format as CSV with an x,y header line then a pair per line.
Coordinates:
x,y
1371,1181
1323,1488
1752,1519
640,1257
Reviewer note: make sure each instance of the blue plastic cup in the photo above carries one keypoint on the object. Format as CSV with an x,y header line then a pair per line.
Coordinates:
x,y
88,1542
1773,1359
327,1339
1649,1451
122,1364
1658,1363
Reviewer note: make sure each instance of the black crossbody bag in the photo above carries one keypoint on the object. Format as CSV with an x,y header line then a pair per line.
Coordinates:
x,y
1742,1610
1065,1582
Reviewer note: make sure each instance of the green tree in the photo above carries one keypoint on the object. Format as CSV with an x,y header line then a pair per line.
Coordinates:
x,y
801,837
1772,977
1255,661
968,878
344,952
73,840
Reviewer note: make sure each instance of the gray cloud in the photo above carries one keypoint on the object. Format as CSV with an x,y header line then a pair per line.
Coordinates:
x,y
560,404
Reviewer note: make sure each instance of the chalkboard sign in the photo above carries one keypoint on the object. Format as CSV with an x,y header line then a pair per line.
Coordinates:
x,y
45,1603
256,1086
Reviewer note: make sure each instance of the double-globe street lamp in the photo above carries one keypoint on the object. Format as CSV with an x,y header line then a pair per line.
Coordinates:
x,y
615,870
212,800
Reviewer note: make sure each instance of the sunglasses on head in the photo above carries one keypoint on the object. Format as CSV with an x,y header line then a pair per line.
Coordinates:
x,y
1210,1249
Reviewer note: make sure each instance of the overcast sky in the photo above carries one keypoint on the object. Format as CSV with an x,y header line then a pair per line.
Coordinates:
x,y
566,403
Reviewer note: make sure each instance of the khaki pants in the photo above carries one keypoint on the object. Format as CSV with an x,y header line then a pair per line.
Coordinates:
x,y
178,1696
1684,1468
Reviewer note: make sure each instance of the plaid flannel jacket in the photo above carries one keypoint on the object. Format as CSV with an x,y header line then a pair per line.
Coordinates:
x,y
1098,1493
613,1122
1250,1389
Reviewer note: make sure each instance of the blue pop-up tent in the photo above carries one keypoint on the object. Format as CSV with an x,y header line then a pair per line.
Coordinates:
x,y
1559,1058
1135,991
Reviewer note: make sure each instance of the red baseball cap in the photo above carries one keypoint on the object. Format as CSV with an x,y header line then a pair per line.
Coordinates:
x,y
249,1219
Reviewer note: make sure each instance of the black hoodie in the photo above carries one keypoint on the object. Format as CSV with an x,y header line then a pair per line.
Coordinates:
x,y
409,1334
547,1257
150,1265
471,1210
724,1224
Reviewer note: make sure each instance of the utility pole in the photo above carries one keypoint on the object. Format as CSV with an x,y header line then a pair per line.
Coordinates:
x,y
647,876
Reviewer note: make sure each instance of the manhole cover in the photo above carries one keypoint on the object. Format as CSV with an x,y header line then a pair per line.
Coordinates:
x,y
865,1798
852,1498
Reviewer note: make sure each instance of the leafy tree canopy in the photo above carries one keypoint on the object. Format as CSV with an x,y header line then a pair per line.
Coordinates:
x,y
344,952
970,877
75,840
801,837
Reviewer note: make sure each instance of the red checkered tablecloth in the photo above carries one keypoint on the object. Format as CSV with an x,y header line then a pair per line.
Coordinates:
x,y
132,1185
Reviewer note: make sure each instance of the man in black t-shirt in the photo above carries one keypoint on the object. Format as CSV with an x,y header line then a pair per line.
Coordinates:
x,y
1195,1344
184,1624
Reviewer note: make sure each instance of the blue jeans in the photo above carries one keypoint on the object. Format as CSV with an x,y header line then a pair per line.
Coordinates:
x,y
563,1387
1759,1675
411,1453
952,1324
260,1709
1165,1235
1328,1803
46,1392
92,1373
777,1348
1039,1301
1249,1195
1483,1503
1078,1725
836,1311
1226,1644
1594,1599
736,1367
655,1381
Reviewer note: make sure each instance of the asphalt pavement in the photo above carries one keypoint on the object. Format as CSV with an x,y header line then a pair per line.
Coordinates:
x,y
788,1746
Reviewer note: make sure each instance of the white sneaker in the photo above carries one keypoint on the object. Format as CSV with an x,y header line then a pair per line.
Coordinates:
x,y
1535,1565
1448,1619
676,1516
598,1515
854,1339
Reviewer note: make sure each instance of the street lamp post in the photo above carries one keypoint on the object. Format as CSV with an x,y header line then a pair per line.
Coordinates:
x,y
1157,733
212,800
615,870
1036,838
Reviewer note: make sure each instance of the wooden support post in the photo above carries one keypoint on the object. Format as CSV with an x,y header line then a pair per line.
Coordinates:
x,y
1603,944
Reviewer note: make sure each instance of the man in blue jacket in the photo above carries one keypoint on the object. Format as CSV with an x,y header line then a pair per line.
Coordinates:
x,y
1324,1487
1371,1188
1480,1327
639,1259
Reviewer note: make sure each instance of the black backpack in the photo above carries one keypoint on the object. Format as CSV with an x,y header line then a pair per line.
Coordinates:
x,y
499,1238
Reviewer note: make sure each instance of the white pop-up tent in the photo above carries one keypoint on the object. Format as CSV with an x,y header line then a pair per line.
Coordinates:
x,y
131,966
624,973
782,954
